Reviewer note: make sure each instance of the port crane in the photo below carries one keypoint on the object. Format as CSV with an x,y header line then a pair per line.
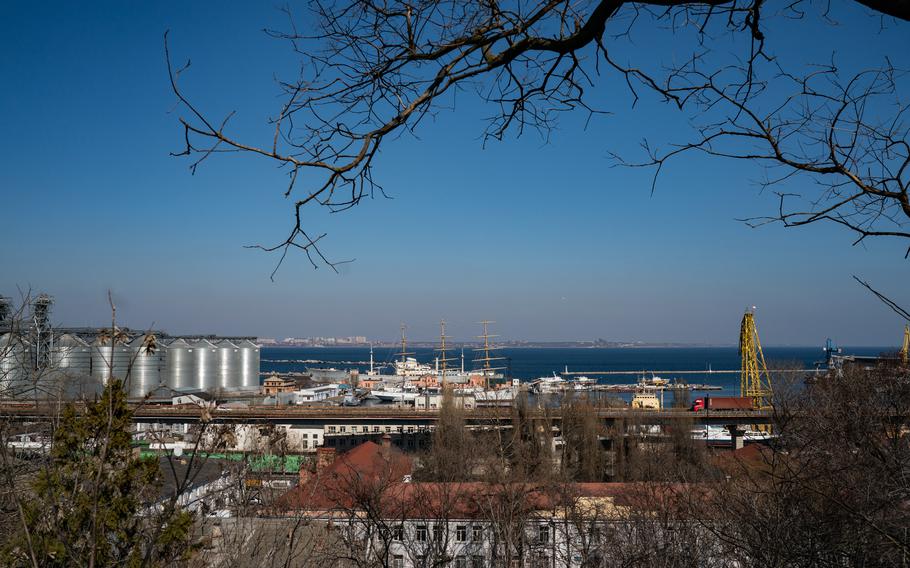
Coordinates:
x,y
905,346
755,383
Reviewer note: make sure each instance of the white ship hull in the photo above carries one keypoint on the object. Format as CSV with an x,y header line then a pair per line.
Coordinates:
x,y
394,396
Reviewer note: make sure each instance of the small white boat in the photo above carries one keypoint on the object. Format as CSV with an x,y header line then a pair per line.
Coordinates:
x,y
548,385
395,394
584,383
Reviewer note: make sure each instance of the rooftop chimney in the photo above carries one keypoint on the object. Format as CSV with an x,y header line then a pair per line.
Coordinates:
x,y
386,445
324,458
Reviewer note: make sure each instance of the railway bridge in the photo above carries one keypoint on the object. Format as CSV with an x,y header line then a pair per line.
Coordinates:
x,y
321,416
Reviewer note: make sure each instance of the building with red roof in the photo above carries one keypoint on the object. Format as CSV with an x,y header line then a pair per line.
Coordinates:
x,y
367,496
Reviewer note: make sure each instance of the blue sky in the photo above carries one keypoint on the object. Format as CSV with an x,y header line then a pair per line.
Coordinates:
x,y
545,238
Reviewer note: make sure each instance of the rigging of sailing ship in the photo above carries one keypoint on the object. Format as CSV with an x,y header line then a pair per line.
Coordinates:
x,y
489,365
408,366
442,360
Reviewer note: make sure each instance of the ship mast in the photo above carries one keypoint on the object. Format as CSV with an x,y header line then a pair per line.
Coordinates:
x,y
442,361
486,368
404,355
404,346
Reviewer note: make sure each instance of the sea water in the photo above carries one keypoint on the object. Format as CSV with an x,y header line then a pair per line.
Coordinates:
x,y
529,363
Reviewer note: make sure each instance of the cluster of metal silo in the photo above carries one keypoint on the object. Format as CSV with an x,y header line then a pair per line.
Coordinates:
x,y
210,366
36,360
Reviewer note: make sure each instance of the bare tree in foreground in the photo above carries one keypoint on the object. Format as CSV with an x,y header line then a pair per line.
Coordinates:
x,y
370,72
836,489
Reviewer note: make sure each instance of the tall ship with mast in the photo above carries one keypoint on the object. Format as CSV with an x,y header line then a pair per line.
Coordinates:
x,y
398,387
489,364
411,376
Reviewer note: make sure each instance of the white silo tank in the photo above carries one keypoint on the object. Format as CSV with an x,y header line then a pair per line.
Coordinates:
x,y
110,361
179,364
228,364
249,364
15,366
205,358
148,361
70,367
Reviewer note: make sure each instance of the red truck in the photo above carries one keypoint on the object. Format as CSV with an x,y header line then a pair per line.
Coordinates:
x,y
722,403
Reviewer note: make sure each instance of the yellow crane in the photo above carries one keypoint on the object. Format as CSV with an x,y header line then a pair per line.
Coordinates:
x,y
754,380
905,347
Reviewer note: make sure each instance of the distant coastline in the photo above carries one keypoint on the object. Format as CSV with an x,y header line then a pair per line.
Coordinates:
x,y
552,345
508,344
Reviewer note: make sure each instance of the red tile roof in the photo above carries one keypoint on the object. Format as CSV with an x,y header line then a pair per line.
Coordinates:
x,y
351,478
370,477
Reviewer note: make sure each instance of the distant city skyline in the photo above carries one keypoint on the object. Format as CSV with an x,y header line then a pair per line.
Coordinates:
x,y
457,332
546,238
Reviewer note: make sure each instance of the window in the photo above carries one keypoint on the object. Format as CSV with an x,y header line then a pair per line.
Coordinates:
x,y
410,429
543,534
476,561
306,444
343,429
437,533
375,428
461,562
331,429
421,533
366,429
477,533
398,533
398,561
461,533
388,429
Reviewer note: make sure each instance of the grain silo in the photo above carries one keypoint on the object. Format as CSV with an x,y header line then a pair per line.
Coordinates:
x,y
15,365
111,360
228,364
249,364
69,371
148,362
70,355
205,361
179,365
